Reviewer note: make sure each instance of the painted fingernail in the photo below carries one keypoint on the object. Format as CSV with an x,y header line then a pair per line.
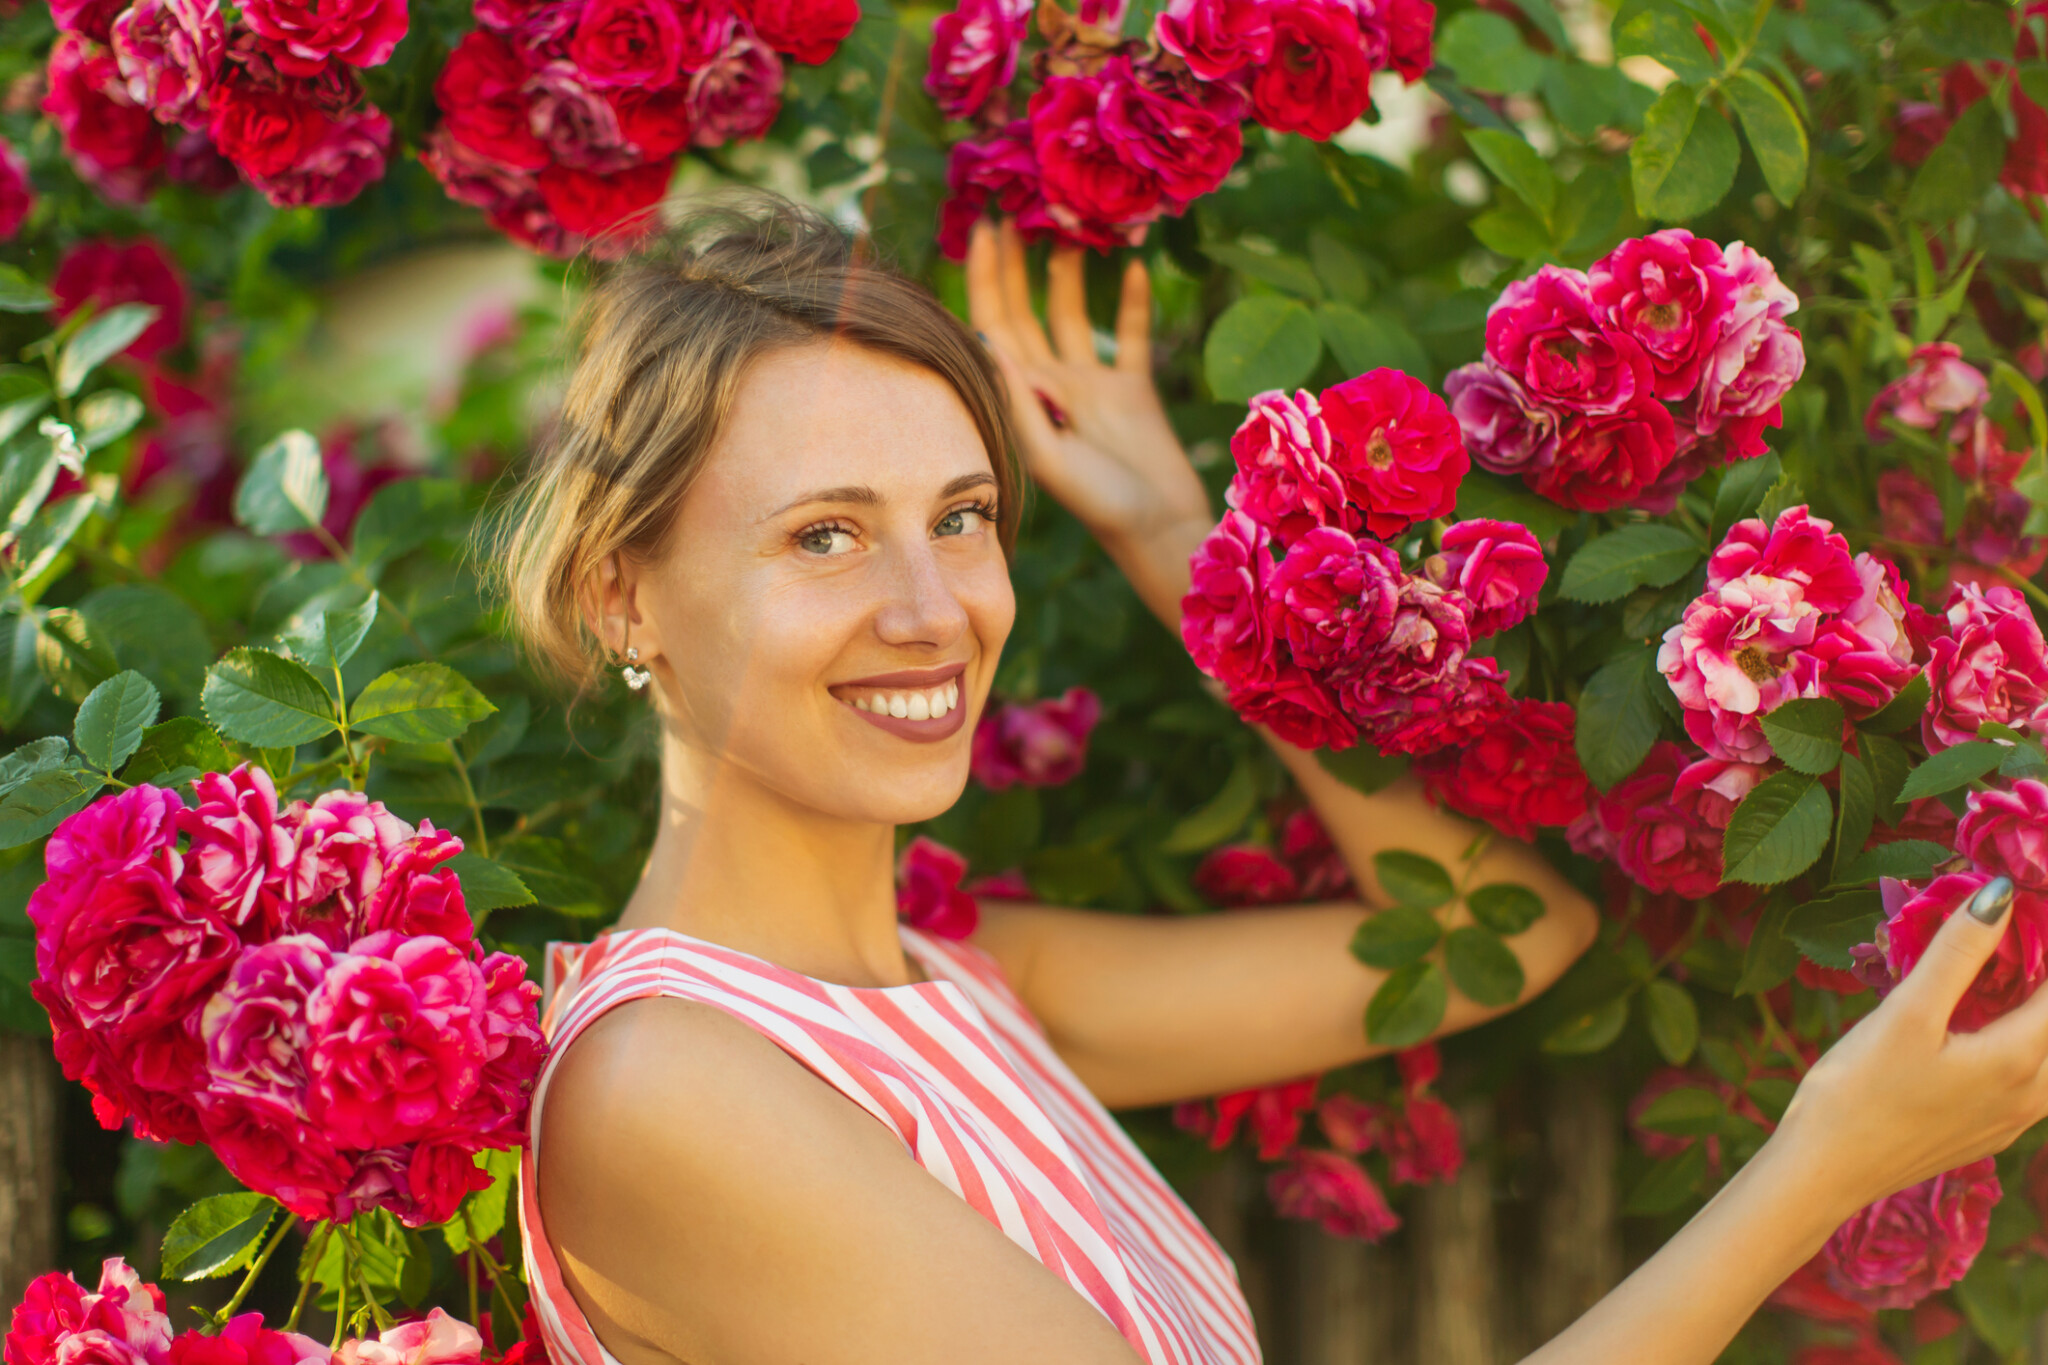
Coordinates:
x,y
981,336
1992,898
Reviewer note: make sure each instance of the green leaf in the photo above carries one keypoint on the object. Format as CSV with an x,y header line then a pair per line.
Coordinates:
x,y
41,803
1770,957
1775,134
216,1236
180,742
545,867
1668,1184
1684,162
487,886
1411,879
1905,859
265,699
1778,831
1785,493
285,489
92,345
1665,37
27,474
1221,816
1951,768
1648,554
1362,767
70,656
1518,166
1394,938
1855,810
1484,495
48,536
400,517
1953,179
106,417
1482,967
20,294
1507,908
1903,711
1487,54
1261,342
1807,733
1963,31
1280,270
328,639
1407,1007
112,718
1742,492
1619,716
1889,765
1514,230
1690,1111
36,756
421,703
1590,1031
1673,1018
23,395
153,631
1826,930
1368,341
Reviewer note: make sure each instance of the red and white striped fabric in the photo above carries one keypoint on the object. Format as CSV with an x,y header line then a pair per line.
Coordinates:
x,y
958,1069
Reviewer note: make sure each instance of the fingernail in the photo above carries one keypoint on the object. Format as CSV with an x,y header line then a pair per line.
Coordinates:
x,y
981,336
1992,898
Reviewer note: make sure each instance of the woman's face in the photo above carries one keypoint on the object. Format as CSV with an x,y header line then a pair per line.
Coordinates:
x,y
830,613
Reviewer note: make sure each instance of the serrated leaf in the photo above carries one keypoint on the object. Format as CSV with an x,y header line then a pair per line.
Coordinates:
x,y
1905,859
1668,1184
1664,37
182,742
1770,957
1953,767
1689,1111
1778,831
1487,53
36,756
216,1236
1742,492
486,885
328,639
1482,967
1367,341
1408,1006
285,489
1411,879
403,515
41,803
1673,1018
111,719
1518,166
104,337
544,865
49,535
1825,930
1216,819
1684,162
1807,733
260,698
1261,342
1855,809
27,474
1955,175
1645,555
1619,717
1507,908
1593,1030
1889,764
422,703
1775,134
1903,711
1396,937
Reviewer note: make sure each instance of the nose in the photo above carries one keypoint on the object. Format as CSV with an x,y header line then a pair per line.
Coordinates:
x,y
921,607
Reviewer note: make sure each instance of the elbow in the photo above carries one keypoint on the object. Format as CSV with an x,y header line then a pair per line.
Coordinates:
x,y
1571,926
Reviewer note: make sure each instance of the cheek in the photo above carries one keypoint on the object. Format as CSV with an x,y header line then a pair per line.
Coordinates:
x,y
991,604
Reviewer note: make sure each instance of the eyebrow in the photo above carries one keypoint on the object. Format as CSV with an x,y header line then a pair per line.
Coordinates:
x,y
868,497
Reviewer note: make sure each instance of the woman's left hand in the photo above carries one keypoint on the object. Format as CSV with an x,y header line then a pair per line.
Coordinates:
x,y
1095,436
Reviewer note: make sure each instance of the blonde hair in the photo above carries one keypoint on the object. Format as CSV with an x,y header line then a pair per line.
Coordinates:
x,y
664,339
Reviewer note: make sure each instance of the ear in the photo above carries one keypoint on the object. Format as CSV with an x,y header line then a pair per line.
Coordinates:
x,y
613,610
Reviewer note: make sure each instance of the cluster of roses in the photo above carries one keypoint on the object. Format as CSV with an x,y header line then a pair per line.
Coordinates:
x,y
1306,866
1616,386
1918,126
1941,389
1034,744
300,989
1121,132
562,119
273,97
124,1322
1302,608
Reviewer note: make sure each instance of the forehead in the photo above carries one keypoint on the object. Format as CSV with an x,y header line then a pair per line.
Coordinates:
x,y
834,413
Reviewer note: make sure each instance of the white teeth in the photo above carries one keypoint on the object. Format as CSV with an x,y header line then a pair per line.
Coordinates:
x,y
899,707
939,707
920,709
860,703
952,693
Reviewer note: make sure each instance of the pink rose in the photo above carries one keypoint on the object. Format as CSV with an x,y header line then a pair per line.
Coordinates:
x,y
1505,429
1008,885
302,35
1398,449
514,1050
1421,648
1798,547
928,894
1756,359
1454,709
17,194
2006,833
54,1307
1273,1113
1610,460
1040,744
974,54
738,94
1908,509
616,203
509,198
1314,858
808,30
1223,616
114,143
237,855
1217,38
1543,332
1991,666
1661,842
574,121
1917,129
1938,384
998,167
707,29
93,19
1710,789
1520,773
1497,565
1867,653
1980,454
105,274
1668,293
1737,654
1318,80
628,43
269,1144
1079,166
1334,1191
1183,133
480,94
170,52
1287,479
1245,874
255,1025
2019,963
1420,1138
246,1341
123,1322
1332,600
1894,1253
436,1340
341,843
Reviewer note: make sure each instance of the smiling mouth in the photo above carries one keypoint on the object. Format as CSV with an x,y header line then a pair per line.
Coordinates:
x,y
928,703
921,704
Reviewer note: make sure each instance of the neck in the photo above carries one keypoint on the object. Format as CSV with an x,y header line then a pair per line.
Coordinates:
x,y
738,864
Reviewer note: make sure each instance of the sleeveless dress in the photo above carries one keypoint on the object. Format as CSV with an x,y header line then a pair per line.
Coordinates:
x,y
961,1073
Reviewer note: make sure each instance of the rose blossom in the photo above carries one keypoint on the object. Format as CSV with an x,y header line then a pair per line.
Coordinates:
x,y
1080,168
575,122
1223,616
435,1340
1505,429
1668,294
1040,744
1287,479
1454,710
655,123
17,195
238,854
1244,874
105,274
254,1026
2019,963
169,52
1497,565
928,894
738,94
974,54
123,1322
1184,133
269,1144
1661,842
341,844
998,167
1217,38
303,35
114,142
1867,653
2025,170
1332,599
1422,647
808,30
1273,1113
1317,81
264,129
591,202
1521,772
1334,1191
1897,1251
1908,509
1756,359
1610,460
1314,858
481,96
1420,1138
2006,833
1397,448
628,43
246,1341
93,19
1543,332
1937,385
437,1178
1991,666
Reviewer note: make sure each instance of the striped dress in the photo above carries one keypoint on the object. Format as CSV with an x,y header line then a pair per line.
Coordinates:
x,y
961,1073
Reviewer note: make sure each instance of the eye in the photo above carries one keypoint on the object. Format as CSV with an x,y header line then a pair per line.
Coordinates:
x,y
966,520
825,538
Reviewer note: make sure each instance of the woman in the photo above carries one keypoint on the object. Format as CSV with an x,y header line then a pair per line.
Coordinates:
x,y
778,1128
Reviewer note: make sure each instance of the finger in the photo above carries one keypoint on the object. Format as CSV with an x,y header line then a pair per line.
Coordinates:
x,y
1134,320
1960,949
1066,305
984,280
1022,322
1035,431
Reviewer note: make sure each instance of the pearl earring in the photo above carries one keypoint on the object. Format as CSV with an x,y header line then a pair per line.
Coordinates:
x,y
635,676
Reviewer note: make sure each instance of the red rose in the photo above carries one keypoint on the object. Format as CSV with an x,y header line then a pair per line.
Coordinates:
x,y
575,122
928,891
655,123
1399,450
93,19
481,96
628,43
1411,28
2006,832
1317,82
1663,845
2019,964
169,52
302,35
1080,168
1333,599
1605,461
2026,155
808,30
999,168
1040,744
1333,1191
1217,38
974,53
587,203
1245,874
17,195
105,274
1917,129
263,129
1497,565
1273,1113
1520,773
114,142
738,94
1897,1251
336,167
1184,133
